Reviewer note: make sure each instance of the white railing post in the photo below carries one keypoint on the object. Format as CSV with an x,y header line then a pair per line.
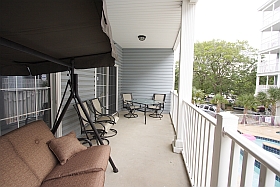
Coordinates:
x,y
234,165
222,149
247,172
267,177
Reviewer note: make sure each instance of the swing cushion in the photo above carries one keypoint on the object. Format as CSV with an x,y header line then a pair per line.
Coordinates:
x,y
65,147
26,160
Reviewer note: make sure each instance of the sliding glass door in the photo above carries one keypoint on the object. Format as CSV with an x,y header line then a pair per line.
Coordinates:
x,y
106,86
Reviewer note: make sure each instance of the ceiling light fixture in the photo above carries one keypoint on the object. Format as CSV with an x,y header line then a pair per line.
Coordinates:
x,y
141,37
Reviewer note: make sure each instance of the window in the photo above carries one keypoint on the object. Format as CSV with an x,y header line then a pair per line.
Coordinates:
x,y
23,99
106,86
101,84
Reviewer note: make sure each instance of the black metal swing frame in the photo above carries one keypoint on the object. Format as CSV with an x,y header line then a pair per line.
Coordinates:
x,y
73,88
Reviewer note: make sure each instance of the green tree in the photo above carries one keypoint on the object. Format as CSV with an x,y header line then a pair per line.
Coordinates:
x,y
262,98
274,97
197,95
218,99
221,66
176,75
248,101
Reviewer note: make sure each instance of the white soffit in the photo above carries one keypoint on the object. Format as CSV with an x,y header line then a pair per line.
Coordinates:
x,y
158,20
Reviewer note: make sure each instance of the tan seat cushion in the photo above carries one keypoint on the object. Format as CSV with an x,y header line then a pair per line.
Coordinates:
x,y
94,179
93,159
154,106
116,118
29,142
13,171
65,147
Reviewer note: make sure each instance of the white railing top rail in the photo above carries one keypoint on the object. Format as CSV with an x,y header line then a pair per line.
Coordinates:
x,y
268,160
174,92
205,115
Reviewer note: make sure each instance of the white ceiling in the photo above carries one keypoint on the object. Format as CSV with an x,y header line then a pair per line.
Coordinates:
x,y
158,20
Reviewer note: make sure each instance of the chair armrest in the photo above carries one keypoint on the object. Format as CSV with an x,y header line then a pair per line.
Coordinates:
x,y
111,118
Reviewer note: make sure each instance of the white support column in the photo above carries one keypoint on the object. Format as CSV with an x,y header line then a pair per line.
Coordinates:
x,y
257,85
222,149
185,66
55,81
107,87
117,87
266,84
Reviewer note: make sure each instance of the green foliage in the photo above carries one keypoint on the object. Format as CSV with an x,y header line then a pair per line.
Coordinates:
x,y
263,99
274,97
248,101
262,80
218,99
221,66
197,95
176,75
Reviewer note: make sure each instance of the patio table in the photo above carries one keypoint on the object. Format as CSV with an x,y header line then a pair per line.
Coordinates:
x,y
144,103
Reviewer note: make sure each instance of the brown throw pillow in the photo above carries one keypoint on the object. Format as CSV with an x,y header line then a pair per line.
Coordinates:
x,y
65,147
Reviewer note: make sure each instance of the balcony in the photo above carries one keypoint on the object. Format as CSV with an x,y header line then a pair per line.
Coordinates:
x,y
263,88
143,154
271,44
209,149
211,152
271,18
269,66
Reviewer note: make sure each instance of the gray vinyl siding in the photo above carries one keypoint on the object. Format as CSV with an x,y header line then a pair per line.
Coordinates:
x,y
148,71
86,91
140,71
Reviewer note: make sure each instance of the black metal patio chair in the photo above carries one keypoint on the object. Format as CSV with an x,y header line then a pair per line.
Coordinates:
x,y
157,108
127,104
102,127
101,113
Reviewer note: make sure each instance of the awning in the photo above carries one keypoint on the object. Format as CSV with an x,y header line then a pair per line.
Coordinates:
x,y
45,36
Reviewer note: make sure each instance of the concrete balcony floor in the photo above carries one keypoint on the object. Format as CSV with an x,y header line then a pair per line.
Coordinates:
x,y
143,154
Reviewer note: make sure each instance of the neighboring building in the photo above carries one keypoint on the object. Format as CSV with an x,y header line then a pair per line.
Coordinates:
x,y
268,72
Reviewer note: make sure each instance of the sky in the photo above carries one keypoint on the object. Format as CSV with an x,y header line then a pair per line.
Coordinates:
x,y
229,20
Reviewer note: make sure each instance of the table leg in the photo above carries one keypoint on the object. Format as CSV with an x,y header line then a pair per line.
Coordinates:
x,y
145,113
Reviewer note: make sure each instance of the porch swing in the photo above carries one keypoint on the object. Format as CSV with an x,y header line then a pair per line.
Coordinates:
x,y
62,36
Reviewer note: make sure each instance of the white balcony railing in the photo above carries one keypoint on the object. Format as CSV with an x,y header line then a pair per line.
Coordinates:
x,y
271,42
269,67
212,148
263,88
271,17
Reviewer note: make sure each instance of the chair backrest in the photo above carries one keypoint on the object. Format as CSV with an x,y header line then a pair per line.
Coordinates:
x,y
159,97
97,106
81,114
82,117
126,97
